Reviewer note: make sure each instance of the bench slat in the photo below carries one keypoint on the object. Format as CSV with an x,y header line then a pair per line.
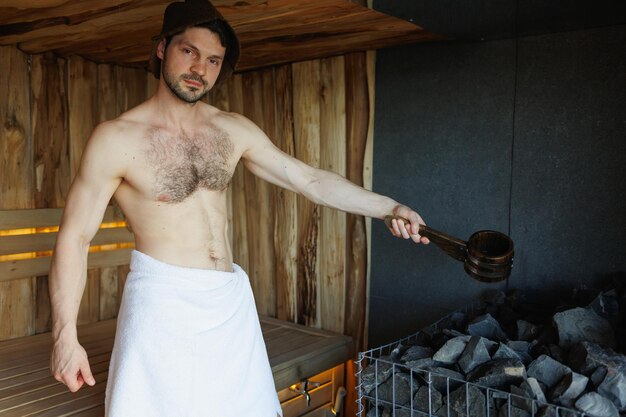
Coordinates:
x,y
45,241
23,219
11,270
295,352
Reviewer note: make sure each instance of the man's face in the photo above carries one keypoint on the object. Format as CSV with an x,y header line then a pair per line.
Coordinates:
x,y
192,63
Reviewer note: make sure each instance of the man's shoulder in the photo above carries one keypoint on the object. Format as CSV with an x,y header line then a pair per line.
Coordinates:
x,y
118,128
132,122
233,122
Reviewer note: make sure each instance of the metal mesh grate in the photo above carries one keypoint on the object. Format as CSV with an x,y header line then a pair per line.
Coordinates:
x,y
434,394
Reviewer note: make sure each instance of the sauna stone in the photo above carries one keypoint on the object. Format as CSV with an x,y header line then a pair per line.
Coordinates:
x,y
533,390
505,352
487,326
527,331
444,379
375,374
598,375
547,370
450,352
399,389
498,373
522,348
421,364
606,305
520,399
458,401
586,357
420,400
614,388
513,412
596,405
475,354
582,324
569,388
414,353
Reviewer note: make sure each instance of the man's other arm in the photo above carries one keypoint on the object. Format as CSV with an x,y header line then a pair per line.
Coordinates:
x,y
98,177
323,187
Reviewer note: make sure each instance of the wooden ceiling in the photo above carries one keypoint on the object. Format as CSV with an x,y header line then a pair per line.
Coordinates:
x,y
271,31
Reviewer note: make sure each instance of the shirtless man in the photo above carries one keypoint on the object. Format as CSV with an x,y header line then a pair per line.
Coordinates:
x,y
168,163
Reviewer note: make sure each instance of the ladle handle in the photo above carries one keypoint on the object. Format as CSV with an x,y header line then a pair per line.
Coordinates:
x,y
451,245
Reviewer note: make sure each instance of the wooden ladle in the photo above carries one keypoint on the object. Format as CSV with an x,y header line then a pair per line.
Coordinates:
x,y
487,255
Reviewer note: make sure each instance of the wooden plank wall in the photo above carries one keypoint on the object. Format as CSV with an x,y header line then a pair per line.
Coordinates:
x,y
52,106
307,264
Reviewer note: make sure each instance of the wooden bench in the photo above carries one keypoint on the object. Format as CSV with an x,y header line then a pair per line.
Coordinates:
x,y
27,388
296,352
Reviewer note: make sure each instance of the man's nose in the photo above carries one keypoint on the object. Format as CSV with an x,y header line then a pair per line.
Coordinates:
x,y
199,68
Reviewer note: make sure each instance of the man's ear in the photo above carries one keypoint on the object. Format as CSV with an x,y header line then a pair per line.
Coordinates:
x,y
160,52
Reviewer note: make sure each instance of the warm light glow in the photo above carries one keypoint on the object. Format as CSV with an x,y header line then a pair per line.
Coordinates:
x,y
112,246
15,232
112,225
22,256
52,229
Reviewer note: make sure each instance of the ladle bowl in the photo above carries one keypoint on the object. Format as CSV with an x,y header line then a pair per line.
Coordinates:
x,y
487,256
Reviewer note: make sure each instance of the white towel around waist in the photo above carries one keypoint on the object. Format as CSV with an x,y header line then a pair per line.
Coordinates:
x,y
188,344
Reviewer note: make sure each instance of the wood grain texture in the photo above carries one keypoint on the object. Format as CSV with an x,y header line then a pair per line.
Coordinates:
x,y
332,222
107,93
49,117
306,115
130,87
13,270
357,116
17,185
83,109
25,218
240,223
259,199
285,203
271,32
48,88
83,116
29,389
368,175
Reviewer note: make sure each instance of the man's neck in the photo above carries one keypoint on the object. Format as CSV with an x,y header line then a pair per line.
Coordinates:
x,y
172,110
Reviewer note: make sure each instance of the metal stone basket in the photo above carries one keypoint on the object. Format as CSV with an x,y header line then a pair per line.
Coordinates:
x,y
434,394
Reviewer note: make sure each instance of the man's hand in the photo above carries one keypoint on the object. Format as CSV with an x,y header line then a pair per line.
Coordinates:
x,y
69,365
399,228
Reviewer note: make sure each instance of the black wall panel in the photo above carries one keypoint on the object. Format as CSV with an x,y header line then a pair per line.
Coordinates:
x,y
526,136
569,175
444,120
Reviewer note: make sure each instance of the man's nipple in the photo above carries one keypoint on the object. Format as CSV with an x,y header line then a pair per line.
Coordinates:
x,y
165,197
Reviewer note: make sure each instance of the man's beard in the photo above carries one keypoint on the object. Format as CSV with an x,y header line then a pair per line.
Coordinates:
x,y
175,85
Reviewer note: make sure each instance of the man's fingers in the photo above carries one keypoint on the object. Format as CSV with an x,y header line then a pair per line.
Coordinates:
x,y
405,233
395,228
85,373
72,382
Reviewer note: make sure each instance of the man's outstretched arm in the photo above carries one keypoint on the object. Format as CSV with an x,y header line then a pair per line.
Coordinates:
x,y
323,187
95,182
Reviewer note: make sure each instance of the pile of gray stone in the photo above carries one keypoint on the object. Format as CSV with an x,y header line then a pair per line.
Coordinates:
x,y
509,358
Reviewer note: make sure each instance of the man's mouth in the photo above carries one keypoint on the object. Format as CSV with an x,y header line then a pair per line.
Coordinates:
x,y
193,83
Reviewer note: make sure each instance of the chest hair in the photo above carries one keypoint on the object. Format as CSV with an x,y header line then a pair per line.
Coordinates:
x,y
184,163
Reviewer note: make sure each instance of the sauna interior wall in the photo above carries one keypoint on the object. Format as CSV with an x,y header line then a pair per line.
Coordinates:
x,y
318,111
525,135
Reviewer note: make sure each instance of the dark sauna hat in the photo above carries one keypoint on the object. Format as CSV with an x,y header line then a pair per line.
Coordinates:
x,y
179,16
